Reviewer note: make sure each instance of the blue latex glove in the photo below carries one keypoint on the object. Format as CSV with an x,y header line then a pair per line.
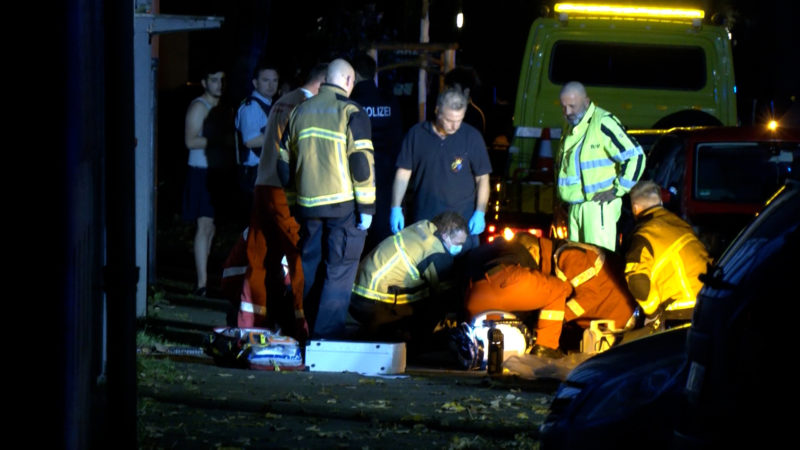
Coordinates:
x,y
477,223
396,220
366,221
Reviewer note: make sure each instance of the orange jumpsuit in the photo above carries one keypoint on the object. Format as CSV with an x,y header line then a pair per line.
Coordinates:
x,y
599,283
273,233
597,294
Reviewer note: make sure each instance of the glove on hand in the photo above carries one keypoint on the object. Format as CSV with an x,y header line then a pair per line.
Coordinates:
x,y
366,221
477,223
396,220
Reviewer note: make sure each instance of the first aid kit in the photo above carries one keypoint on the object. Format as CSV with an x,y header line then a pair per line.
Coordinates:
x,y
253,348
368,358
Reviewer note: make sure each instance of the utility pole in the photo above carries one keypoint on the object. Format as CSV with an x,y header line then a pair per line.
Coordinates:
x,y
424,38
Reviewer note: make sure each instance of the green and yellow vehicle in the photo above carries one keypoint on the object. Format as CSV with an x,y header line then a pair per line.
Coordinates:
x,y
654,68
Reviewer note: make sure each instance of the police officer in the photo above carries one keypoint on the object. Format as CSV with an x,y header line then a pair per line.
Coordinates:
x,y
251,121
597,163
387,134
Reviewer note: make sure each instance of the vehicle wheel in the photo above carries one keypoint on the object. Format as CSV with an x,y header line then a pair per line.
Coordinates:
x,y
687,118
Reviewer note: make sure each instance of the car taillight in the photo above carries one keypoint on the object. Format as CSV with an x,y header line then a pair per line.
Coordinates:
x,y
559,232
508,233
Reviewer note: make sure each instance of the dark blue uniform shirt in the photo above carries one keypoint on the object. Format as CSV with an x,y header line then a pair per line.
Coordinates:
x,y
443,170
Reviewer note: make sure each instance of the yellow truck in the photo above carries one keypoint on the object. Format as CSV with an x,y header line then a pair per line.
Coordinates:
x,y
654,68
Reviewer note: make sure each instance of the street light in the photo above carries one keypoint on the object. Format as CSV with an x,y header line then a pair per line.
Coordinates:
x,y
460,20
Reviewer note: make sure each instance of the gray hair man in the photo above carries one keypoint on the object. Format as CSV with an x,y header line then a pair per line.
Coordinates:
x,y
448,167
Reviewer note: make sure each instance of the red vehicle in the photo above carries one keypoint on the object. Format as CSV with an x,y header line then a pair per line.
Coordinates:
x,y
718,178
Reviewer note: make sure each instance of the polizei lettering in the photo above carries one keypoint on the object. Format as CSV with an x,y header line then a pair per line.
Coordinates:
x,y
378,111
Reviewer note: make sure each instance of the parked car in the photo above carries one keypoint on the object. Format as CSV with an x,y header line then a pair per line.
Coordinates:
x,y
711,385
718,178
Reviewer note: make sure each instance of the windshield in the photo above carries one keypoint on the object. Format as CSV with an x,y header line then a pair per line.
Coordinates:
x,y
646,66
742,172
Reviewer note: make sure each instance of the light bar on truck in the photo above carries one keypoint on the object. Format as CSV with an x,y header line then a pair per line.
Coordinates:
x,y
598,9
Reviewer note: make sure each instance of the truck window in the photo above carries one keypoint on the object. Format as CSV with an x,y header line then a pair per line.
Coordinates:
x,y
628,65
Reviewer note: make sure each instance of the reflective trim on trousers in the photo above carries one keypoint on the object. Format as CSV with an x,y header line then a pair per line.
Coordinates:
x,y
549,314
253,309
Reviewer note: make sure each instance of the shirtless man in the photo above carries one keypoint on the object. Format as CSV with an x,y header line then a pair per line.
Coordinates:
x,y
197,200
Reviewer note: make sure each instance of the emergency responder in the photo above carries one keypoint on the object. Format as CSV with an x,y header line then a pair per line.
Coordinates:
x,y
564,280
326,154
405,279
447,166
664,261
597,163
274,232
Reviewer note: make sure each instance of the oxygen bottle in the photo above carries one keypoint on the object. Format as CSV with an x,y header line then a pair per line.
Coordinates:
x,y
495,362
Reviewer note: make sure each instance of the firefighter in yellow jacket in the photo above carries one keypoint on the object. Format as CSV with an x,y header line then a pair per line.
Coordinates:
x,y
327,156
665,259
407,277
597,164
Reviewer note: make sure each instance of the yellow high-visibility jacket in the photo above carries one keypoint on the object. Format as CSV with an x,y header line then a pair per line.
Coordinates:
x,y
596,155
664,261
328,148
413,260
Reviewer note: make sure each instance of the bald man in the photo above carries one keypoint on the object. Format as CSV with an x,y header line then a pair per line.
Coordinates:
x,y
665,259
597,163
328,159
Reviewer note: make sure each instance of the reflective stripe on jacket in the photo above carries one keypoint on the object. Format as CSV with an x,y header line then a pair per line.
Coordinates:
x,y
412,260
587,274
596,155
330,152
665,251
599,289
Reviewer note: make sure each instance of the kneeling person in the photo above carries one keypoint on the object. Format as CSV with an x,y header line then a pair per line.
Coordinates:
x,y
563,280
397,281
664,261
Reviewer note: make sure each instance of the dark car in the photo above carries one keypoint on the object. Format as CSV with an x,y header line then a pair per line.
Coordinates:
x,y
718,178
711,385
